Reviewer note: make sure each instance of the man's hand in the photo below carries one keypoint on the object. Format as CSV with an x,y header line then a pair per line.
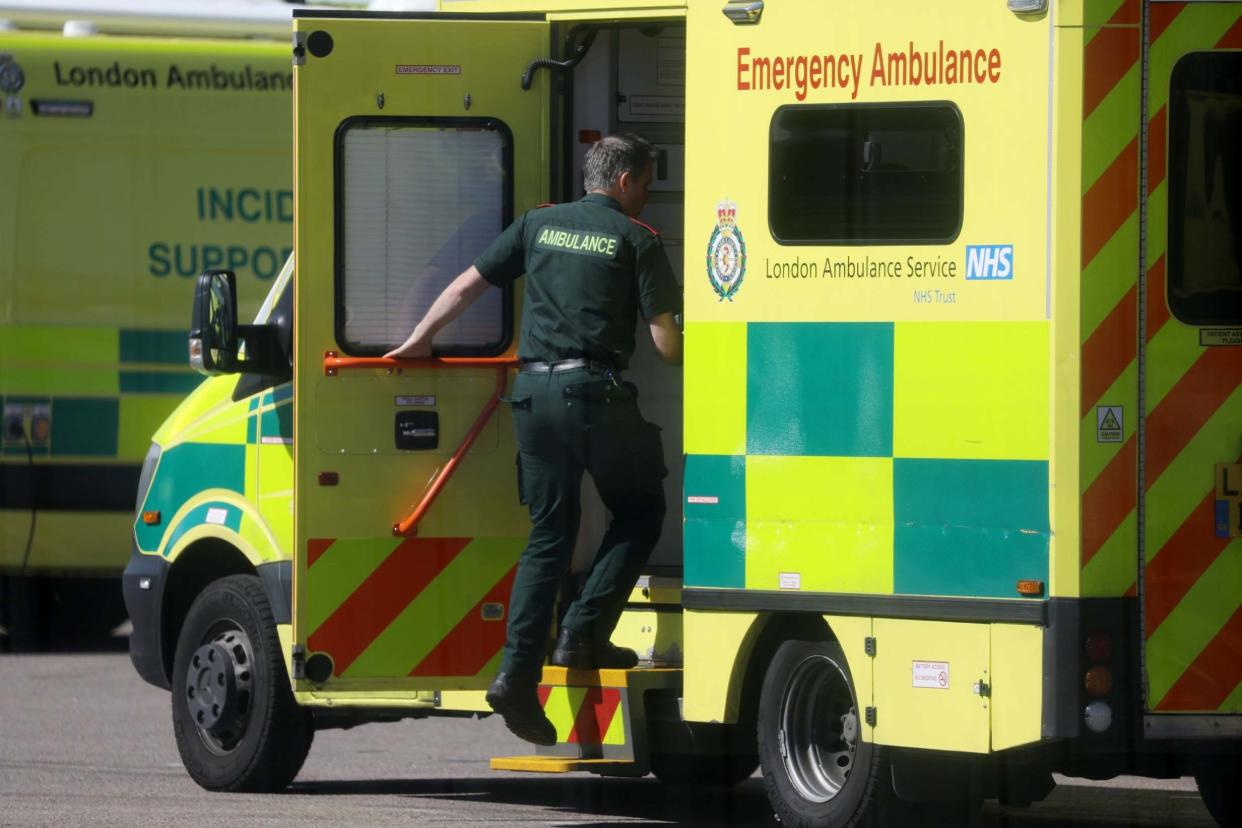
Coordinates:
x,y
412,348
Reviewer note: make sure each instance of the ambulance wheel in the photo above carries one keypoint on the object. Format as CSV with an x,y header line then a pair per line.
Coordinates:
x,y
817,768
237,725
1218,785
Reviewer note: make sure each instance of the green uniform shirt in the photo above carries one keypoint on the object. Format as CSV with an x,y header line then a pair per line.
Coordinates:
x,y
589,270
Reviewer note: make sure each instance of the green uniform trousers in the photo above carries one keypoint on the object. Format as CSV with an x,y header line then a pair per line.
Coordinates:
x,y
567,423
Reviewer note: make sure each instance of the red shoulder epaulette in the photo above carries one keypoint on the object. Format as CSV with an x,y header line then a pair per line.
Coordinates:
x,y
646,227
546,204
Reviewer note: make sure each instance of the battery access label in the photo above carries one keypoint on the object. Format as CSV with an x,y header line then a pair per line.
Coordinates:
x,y
933,675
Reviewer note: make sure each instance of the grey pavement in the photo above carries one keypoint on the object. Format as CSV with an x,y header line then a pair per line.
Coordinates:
x,y
83,741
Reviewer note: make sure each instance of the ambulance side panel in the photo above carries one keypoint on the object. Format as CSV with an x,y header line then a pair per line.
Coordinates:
x,y
869,393
130,164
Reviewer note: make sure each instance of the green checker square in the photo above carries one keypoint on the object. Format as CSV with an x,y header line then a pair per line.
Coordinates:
x,y
85,427
969,527
820,389
715,521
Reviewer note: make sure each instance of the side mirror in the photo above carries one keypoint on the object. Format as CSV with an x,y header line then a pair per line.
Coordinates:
x,y
213,324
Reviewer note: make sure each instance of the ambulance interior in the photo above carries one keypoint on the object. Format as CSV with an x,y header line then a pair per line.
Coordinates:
x,y
633,79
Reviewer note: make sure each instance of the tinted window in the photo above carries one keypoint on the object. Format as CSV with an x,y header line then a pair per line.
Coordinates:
x,y
865,174
417,202
1205,189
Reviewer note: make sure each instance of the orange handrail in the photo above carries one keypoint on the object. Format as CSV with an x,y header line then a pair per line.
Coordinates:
x,y
334,363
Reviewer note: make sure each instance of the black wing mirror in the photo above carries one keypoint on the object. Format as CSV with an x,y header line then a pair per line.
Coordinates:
x,y
213,325
216,339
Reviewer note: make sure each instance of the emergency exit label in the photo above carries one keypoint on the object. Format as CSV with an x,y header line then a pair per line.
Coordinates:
x,y
931,674
1228,513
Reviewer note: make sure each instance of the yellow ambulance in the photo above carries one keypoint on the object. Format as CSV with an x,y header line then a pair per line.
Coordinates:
x,y
956,440
135,151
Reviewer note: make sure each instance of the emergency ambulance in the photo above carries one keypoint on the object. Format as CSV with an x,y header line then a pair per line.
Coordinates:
x,y
956,442
136,150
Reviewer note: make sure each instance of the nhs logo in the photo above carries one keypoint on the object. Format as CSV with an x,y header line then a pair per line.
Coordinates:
x,y
989,262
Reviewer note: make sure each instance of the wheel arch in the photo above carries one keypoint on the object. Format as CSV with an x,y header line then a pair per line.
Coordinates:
x,y
195,567
768,633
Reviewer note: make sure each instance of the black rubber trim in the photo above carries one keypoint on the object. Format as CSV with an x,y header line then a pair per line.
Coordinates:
x,y
277,578
1016,611
145,648
69,487
1062,671
345,14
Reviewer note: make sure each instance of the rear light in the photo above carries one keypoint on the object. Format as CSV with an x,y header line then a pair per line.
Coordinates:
x,y
1099,646
1098,716
1098,681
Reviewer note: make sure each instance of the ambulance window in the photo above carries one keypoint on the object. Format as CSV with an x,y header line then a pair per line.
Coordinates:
x,y
1205,189
417,201
865,174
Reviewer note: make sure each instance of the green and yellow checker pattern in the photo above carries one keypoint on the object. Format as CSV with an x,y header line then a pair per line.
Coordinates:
x,y
225,470
867,457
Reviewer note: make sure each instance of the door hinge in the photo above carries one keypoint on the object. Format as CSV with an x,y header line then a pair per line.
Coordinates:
x,y
299,661
870,716
869,645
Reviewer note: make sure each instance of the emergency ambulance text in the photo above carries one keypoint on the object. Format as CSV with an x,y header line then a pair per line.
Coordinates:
x,y
910,66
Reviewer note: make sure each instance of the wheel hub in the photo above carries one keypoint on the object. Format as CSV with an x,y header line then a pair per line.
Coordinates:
x,y
219,688
819,729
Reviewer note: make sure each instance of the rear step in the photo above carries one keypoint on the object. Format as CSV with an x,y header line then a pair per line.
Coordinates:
x,y
600,719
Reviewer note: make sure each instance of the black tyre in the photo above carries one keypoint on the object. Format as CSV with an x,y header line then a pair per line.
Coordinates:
x,y
698,771
817,768
237,725
1218,785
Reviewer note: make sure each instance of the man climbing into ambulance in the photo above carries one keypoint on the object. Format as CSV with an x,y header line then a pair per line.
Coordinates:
x,y
591,268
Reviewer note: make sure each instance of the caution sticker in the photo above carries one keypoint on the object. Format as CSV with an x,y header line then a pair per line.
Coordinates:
x,y
1109,425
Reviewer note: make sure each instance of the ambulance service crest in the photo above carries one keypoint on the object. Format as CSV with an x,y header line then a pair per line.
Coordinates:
x,y
726,252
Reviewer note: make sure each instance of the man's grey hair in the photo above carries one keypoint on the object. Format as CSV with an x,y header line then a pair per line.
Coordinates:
x,y
609,157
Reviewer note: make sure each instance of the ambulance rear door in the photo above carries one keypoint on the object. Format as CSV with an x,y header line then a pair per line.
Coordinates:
x,y
415,146
1191,474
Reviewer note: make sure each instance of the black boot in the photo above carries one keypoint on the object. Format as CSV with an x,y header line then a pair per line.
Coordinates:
x,y
578,652
518,703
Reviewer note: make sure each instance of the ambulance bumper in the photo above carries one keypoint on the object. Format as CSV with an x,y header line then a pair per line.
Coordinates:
x,y
143,586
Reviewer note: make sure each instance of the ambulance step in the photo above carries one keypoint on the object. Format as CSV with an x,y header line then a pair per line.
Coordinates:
x,y
557,764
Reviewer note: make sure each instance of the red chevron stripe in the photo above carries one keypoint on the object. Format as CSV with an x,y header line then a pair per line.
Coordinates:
x,y
599,705
1111,200
470,645
1109,498
544,691
1181,562
387,591
1107,59
1213,675
1185,409
1160,16
1233,37
1157,303
1157,148
315,547
1110,348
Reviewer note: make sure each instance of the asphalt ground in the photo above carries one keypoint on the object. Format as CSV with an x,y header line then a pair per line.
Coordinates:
x,y
83,741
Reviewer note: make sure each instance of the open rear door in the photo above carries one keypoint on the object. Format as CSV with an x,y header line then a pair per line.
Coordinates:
x,y
1192,382
415,147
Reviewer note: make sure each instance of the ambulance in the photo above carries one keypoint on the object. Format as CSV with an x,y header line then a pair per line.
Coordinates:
x,y
956,442
136,150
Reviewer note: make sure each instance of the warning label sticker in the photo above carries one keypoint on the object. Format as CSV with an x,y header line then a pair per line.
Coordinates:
x,y
1109,424
931,674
